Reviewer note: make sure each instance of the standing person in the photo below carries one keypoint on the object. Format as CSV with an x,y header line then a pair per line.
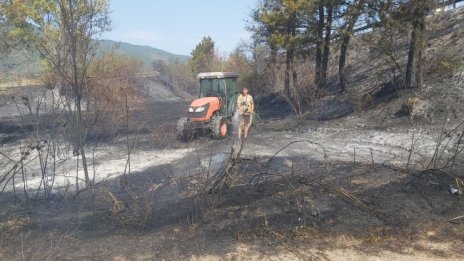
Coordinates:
x,y
245,108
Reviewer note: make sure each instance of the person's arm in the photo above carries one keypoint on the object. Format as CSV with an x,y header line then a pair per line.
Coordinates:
x,y
237,104
252,104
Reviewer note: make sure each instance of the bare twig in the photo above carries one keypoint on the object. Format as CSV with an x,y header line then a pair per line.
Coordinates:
x,y
456,218
372,156
354,157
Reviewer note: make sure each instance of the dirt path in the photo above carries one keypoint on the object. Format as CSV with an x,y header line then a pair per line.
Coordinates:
x,y
334,143
326,144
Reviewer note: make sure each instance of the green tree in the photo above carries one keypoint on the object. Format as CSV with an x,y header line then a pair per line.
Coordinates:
x,y
5,38
203,56
264,49
284,20
10,27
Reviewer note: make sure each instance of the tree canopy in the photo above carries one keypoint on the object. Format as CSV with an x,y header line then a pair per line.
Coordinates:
x,y
203,56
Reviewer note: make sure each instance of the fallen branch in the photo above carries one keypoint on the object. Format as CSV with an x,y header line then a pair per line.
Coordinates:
x,y
456,218
352,198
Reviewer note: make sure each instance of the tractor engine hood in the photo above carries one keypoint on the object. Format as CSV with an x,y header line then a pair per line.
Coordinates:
x,y
203,109
213,101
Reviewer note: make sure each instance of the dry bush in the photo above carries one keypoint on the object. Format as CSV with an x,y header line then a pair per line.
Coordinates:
x,y
113,91
265,74
127,210
415,106
365,102
13,225
304,97
239,62
448,156
444,64
33,246
177,75
41,114
386,45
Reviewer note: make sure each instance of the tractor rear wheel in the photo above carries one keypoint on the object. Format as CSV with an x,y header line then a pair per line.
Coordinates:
x,y
219,127
183,129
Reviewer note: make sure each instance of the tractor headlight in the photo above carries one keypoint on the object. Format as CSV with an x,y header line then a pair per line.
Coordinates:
x,y
200,109
191,109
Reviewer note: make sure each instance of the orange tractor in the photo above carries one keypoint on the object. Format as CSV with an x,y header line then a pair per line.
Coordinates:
x,y
214,108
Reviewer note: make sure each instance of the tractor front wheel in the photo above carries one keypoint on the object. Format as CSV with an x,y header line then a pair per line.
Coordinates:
x,y
220,127
183,129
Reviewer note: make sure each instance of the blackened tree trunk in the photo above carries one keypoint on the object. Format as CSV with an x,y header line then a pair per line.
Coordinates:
x,y
294,74
320,33
292,61
421,45
290,71
273,54
342,61
411,53
347,32
272,65
326,52
78,87
417,44
288,68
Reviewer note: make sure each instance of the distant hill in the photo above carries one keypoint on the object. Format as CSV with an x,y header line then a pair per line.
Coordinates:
x,y
147,53
27,63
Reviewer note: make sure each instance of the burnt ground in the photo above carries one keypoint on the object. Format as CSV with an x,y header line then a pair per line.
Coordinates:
x,y
304,203
351,212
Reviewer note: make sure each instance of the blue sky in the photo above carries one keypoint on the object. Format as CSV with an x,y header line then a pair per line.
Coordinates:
x,y
178,25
